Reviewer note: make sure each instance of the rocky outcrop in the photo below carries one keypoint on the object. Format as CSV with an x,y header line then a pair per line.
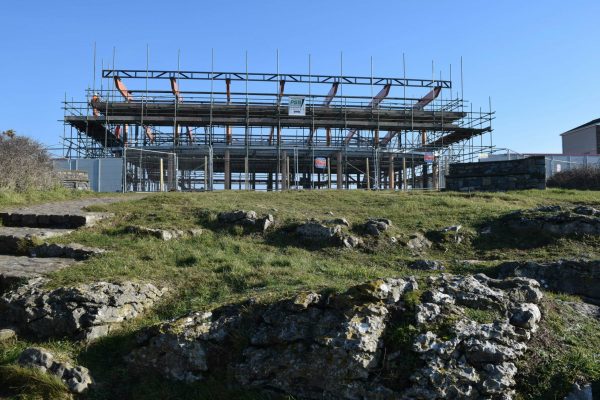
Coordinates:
x,y
7,334
474,360
71,250
77,379
82,312
581,392
581,278
163,234
334,346
316,233
247,219
554,220
427,265
417,243
376,226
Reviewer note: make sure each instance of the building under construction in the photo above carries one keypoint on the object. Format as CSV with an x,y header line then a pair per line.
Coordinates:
x,y
193,130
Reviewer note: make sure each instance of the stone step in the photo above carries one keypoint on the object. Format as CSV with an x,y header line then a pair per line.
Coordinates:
x,y
15,270
15,240
43,220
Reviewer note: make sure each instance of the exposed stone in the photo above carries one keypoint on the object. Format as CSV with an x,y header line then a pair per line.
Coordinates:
x,y
321,345
590,310
246,218
585,210
580,392
351,241
337,221
526,315
314,232
237,217
554,220
477,361
418,242
162,234
77,379
15,270
376,226
16,240
71,250
7,334
82,312
581,278
427,265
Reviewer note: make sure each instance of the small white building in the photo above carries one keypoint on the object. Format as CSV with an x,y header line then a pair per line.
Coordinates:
x,y
583,140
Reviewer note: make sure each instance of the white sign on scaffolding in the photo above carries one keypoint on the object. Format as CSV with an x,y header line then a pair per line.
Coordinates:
x,y
297,106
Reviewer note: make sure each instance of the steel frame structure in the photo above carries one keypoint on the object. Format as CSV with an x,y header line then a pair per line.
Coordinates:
x,y
221,137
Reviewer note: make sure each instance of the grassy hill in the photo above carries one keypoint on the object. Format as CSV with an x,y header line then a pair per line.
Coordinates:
x,y
227,264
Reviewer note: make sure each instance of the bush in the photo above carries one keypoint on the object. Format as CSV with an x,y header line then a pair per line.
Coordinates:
x,y
24,164
587,177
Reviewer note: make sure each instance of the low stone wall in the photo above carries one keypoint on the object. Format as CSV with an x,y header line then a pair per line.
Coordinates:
x,y
74,179
526,173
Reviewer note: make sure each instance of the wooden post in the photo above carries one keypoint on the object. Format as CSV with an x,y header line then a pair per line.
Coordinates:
x,y
162,177
227,169
340,176
368,175
391,174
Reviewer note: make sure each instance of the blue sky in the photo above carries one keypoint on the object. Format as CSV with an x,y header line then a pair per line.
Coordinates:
x,y
539,61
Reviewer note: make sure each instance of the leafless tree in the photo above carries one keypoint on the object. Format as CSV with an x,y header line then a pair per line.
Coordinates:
x,y
24,164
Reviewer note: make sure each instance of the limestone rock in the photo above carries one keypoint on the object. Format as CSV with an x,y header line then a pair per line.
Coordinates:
x,y
322,345
314,232
418,242
427,265
311,346
554,220
71,250
581,278
376,226
246,218
580,392
7,334
526,315
163,234
82,312
77,379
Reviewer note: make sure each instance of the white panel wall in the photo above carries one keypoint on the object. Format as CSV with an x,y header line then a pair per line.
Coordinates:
x,y
105,174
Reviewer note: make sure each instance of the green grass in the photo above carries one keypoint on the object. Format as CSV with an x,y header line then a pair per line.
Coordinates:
x,y
226,265
9,198
565,350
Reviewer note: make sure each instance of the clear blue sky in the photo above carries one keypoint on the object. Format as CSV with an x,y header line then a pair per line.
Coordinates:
x,y
538,60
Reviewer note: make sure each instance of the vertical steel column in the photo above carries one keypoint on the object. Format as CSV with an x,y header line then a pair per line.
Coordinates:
x,y
339,182
283,169
391,175
227,169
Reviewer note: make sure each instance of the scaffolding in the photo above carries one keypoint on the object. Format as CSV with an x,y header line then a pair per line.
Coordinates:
x,y
276,131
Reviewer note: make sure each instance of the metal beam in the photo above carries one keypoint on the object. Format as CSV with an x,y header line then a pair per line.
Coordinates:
x,y
331,94
175,90
428,98
123,89
270,77
373,104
